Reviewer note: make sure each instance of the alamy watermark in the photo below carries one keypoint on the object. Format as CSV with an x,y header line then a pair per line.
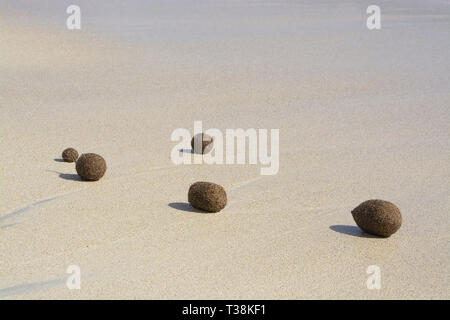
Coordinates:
x,y
73,21
74,280
373,21
224,150
374,279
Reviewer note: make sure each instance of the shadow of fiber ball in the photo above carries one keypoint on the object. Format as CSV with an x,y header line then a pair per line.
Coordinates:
x,y
91,166
207,196
70,155
378,217
205,142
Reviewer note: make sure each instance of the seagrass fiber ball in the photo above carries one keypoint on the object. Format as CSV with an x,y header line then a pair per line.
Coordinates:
x,y
204,144
378,217
70,155
91,166
207,196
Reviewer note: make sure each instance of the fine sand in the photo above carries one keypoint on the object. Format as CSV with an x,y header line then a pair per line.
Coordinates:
x,y
362,115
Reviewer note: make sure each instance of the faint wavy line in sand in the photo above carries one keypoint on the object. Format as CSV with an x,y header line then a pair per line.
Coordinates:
x,y
9,225
30,287
23,210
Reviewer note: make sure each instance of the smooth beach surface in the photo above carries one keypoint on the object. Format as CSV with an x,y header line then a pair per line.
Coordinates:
x,y
362,115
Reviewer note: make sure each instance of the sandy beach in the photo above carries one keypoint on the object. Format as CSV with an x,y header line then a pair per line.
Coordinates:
x,y
362,115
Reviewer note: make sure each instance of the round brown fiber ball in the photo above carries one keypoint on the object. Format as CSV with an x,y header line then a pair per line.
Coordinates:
x,y
207,196
378,217
206,140
91,166
70,155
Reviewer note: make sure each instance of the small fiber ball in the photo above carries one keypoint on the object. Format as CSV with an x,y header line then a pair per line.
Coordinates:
x,y
205,141
91,166
207,196
378,217
70,155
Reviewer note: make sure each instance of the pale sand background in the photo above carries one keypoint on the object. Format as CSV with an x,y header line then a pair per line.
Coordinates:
x,y
361,115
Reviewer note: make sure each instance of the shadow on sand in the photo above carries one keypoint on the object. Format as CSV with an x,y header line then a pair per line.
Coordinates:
x,y
186,150
70,176
184,206
352,231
